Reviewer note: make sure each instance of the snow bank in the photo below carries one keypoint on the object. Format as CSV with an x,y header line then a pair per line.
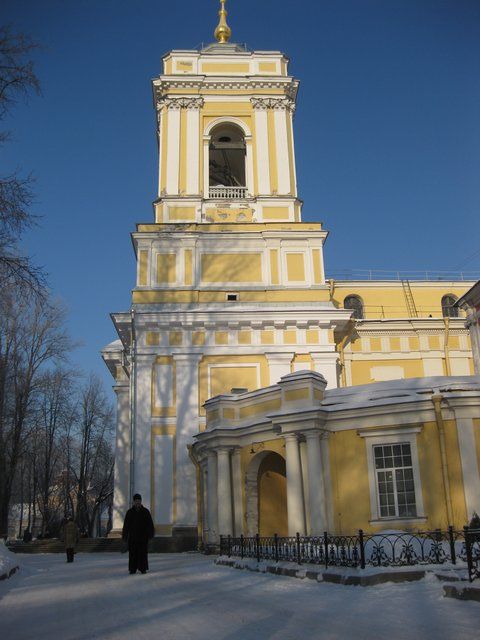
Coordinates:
x,y
8,561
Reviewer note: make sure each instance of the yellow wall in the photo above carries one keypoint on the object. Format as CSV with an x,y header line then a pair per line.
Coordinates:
x,y
361,369
230,375
231,267
350,487
389,301
166,268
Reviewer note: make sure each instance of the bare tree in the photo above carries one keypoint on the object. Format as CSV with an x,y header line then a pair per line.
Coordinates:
x,y
17,81
94,469
54,418
32,337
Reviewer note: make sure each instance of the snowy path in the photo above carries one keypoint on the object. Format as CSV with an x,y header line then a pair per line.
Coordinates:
x,y
186,595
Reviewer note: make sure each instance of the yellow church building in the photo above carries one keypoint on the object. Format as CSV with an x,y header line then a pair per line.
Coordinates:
x,y
253,393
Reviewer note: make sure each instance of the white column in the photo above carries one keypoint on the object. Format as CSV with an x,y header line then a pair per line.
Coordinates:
x,y
295,507
224,492
261,143
142,427
237,493
193,140
187,426
316,488
173,151
326,364
279,365
121,492
468,455
473,324
290,124
161,142
249,165
212,502
304,463
206,166
283,167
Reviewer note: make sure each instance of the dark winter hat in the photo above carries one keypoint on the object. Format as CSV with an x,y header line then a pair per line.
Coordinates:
x,y
137,496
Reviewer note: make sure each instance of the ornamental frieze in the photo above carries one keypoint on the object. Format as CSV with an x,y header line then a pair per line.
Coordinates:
x,y
180,103
273,103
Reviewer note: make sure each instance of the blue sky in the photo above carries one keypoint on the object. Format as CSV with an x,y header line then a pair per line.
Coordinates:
x,y
387,133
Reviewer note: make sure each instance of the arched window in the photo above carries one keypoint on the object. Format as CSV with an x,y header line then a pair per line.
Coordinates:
x,y
356,305
226,162
448,306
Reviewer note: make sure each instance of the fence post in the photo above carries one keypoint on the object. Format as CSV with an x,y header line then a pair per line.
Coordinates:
x,y
275,538
299,560
325,542
468,549
241,546
257,543
362,549
229,542
451,540
221,545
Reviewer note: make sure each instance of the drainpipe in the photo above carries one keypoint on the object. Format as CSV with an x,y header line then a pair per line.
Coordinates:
x,y
445,348
133,403
341,353
199,483
437,403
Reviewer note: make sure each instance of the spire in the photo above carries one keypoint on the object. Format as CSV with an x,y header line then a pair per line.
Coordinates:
x,y
223,31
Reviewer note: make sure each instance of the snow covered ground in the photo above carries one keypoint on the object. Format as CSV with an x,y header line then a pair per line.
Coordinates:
x,y
186,595
8,560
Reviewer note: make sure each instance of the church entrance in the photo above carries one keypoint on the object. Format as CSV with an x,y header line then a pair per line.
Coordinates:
x,y
266,486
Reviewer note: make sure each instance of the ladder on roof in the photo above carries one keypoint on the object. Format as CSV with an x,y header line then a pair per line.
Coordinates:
x,y
412,309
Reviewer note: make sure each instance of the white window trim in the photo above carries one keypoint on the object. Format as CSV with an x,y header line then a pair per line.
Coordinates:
x,y
393,436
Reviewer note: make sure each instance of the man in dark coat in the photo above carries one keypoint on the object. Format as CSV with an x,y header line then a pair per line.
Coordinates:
x,y
137,530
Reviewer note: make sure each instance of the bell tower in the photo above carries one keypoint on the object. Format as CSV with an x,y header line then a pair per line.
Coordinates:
x,y
226,149
230,289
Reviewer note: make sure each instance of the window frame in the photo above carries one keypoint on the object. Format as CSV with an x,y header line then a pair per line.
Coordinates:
x,y
393,470
354,309
451,309
389,436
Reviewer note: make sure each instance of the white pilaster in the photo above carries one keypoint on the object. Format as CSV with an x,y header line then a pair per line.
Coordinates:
x,y
224,492
468,455
283,168
295,506
187,426
279,365
173,151
327,364
142,428
193,169
316,492
121,499
237,493
261,130
212,500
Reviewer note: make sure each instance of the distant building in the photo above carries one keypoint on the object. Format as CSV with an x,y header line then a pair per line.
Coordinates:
x,y
231,294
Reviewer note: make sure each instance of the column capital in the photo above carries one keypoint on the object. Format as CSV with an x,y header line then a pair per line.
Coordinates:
x,y
278,357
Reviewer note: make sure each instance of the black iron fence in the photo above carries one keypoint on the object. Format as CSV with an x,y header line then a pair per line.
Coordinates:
x,y
397,549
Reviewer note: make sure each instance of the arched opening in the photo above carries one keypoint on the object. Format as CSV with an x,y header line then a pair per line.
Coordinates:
x,y
356,305
226,161
449,310
266,493
272,496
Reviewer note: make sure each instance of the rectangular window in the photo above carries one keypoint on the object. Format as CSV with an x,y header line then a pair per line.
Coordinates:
x,y
395,484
